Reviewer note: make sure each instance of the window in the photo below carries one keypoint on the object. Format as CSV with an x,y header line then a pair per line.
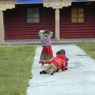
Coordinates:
x,y
77,15
33,15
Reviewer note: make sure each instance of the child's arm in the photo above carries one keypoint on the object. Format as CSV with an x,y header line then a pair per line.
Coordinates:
x,y
41,34
50,35
63,67
66,58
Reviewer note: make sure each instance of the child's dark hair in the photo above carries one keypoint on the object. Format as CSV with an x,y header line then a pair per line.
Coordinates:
x,y
58,52
47,31
62,51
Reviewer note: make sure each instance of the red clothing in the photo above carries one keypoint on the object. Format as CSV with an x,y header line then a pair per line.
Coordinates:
x,y
66,63
46,53
47,50
59,61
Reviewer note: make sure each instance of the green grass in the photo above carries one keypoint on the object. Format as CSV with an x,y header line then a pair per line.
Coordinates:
x,y
89,48
15,68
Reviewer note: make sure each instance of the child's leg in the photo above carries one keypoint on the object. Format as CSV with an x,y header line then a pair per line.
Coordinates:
x,y
41,62
52,69
48,69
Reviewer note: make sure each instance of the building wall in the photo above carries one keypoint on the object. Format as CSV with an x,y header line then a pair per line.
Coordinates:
x,y
84,30
7,1
16,26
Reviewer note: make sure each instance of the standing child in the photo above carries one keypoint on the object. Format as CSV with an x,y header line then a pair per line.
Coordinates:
x,y
47,52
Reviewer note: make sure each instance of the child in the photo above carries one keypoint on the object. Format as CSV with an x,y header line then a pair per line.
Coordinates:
x,y
66,59
47,52
57,63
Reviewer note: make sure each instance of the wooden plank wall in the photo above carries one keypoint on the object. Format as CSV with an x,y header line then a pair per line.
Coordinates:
x,y
85,30
16,26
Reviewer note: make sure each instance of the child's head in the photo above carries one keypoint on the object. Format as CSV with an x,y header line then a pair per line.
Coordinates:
x,y
58,53
62,51
47,32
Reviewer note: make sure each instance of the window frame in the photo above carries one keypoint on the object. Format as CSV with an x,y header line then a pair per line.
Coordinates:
x,y
78,14
33,18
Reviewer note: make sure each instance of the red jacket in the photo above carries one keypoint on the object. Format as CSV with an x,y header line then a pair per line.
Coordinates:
x,y
59,61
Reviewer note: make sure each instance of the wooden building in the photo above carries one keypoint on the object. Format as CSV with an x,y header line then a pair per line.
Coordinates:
x,y
26,19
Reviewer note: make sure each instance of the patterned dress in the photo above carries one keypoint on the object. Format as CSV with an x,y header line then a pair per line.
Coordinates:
x,y
46,52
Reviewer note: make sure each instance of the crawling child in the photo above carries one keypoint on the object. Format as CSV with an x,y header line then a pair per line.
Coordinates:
x,y
56,64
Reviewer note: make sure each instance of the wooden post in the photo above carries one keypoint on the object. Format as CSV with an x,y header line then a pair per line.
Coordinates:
x,y
1,27
57,5
4,4
57,24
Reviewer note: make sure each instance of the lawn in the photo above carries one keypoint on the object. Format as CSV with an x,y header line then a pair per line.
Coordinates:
x,y
89,48
15,68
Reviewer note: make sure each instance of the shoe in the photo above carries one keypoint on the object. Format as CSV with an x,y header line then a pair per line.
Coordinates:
x,y
66,68
40,72
52,73
43,72
42,64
